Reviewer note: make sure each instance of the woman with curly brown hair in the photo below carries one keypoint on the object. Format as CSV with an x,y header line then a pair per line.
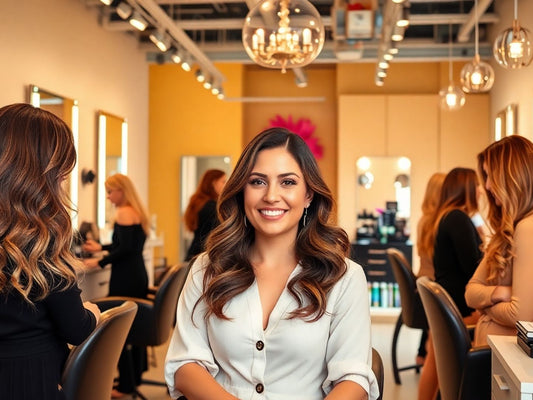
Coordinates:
x,y
201,213
40,305
273,308
501,287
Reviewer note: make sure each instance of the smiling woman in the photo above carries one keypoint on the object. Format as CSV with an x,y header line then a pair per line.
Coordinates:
x,y
275,277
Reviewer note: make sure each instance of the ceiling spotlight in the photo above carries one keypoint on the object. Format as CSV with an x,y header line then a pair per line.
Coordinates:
x,y
176,56
397,33
403,21
160,39
186,64
388,56
208,83
123,10
398,1
107,2
383,64
200,77
215,90
220,94
381,73
138,21
379,81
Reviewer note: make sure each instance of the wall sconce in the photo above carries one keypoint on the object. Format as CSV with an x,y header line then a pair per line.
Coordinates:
x,y
87,176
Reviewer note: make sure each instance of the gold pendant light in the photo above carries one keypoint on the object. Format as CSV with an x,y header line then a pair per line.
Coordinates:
x,y
477,76
512,47
283,34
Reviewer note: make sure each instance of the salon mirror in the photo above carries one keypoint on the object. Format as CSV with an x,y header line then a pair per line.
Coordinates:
x,y
112,159
506,122
383,198
192,169
66,109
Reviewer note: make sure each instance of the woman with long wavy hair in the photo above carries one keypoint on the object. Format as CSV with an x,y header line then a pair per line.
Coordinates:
x,y
273,307
201,213
40,303
501,287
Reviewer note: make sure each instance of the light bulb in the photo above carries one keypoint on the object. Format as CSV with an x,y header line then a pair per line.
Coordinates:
x,y
476,78
516,49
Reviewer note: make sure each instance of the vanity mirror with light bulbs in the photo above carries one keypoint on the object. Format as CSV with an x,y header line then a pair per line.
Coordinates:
x,y
67,109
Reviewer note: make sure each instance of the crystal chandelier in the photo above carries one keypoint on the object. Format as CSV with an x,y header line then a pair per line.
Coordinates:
x,y
283,33
512,47
477,76
451,97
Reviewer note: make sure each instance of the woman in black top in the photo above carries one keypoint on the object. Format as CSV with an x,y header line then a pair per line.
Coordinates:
x,y
457,253
201,213
41,310
128,272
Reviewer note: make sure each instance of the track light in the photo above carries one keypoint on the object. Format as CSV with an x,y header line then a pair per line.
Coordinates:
x,y
176,56
186,64
160,39
208,83
200,77
107,2
138,21
220,94
403,21
215,90
123,10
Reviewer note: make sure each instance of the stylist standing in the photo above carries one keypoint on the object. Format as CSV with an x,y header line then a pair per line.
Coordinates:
x,y
128,272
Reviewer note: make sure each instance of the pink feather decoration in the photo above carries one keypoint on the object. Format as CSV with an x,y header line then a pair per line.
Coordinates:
x,y
303,128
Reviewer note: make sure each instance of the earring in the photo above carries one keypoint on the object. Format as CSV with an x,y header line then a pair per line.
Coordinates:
x,y
245,223
305,216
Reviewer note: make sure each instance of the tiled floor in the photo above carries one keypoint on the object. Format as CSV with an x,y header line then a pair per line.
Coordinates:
x,y
382,331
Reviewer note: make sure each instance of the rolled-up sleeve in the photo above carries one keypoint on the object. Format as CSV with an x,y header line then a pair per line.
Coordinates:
x,y
189,341
349,351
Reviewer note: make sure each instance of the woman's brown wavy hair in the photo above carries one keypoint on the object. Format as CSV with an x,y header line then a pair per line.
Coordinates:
x,y
321,247
425,239
36,155
458,192
510,165
204,192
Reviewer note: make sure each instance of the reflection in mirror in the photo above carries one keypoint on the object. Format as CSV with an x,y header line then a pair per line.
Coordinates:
x,y
67,110
506,122
192,169
383,198
112,159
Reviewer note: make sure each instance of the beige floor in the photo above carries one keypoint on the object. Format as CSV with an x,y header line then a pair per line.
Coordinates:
x,y
382,331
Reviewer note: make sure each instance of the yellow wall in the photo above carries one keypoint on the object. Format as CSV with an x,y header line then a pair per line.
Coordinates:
x,y
186,119
323,114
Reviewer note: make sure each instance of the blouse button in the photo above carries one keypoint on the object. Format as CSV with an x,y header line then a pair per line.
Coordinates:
x,y
259,388
259,345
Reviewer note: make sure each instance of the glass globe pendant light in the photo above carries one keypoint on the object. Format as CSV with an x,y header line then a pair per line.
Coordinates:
x,y
512,47
477,76
452,97
283,34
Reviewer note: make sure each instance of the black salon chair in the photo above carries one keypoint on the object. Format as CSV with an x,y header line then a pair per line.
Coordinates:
x,y
412,314
155,318
464,372
90,368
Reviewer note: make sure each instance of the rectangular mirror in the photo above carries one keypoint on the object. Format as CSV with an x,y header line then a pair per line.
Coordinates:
x,y
383,199
112,159
66,109
192,169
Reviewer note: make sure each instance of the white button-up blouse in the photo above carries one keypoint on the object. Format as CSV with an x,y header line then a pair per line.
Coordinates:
x,y
291,359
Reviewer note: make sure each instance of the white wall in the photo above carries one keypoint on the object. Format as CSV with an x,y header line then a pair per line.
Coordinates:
x,y
59,46
513,86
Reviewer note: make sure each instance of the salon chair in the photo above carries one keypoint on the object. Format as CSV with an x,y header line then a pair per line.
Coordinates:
x,y
155,317
464,372
377,368
412,314
90,367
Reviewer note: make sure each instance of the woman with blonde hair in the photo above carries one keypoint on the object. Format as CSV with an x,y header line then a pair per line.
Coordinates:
x,y
125,254
501,287
201,213
40,303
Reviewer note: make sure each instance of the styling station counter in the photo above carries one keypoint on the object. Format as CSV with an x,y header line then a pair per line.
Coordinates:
x,y
383,291
94,283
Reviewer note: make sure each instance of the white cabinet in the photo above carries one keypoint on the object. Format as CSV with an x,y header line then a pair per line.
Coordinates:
x,y
512,369
94,283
